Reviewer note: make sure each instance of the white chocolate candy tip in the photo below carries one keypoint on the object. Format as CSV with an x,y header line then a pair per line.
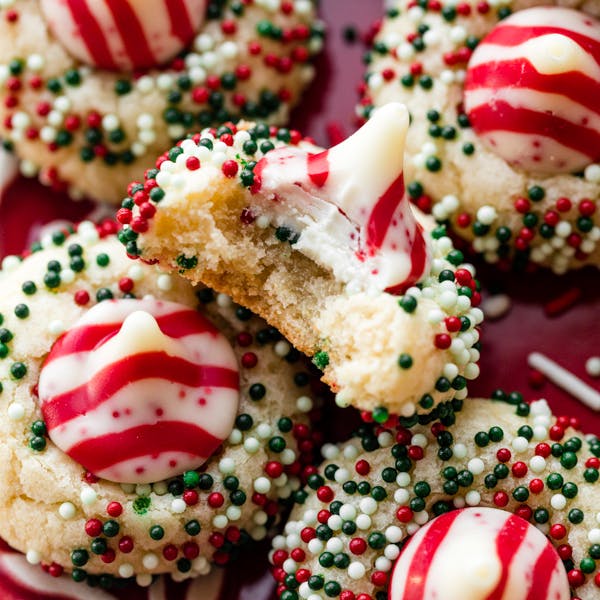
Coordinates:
x,y
348,207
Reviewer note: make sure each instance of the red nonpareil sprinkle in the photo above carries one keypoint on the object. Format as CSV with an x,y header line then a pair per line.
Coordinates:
x,y
536,486
298,554
244,339
108,556
126,284
323,516
302,575
587,207
576,577
556,433
524,511
503,455
563,204
563,302
274,469
124,216
379,578
216,539
191,550
192,163
114,509
55,570
216,500
170,552
522,205
249,360
190,497
147,210
442,341
501,499
415,453
558,531
81,297
279,557
362,467
325,494
463,220
93,527
453,324
230,168
519,469
404,514
357,546
307,534
565,551
126,544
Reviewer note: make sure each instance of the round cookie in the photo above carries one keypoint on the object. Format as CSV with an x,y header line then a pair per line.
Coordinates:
x,y
243,461
324,245
492,196
93,128
372,493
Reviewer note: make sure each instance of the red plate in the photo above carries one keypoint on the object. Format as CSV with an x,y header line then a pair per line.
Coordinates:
x,y
327,114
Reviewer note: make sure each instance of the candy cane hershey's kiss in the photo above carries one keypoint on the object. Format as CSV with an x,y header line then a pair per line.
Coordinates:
x,y
140,390
124,34
479,554
532,90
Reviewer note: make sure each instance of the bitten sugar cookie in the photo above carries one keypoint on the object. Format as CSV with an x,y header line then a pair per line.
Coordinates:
x,y
346,538
146,428
91,92
505,132
325,246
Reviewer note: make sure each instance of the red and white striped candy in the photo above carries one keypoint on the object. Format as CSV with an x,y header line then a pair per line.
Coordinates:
x,y
532,90
140,390
479,554
124,34
348,205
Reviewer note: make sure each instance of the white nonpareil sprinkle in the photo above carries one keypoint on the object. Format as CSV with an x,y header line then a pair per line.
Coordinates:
x,y
88,496
33,557
16,411
592,366
67,510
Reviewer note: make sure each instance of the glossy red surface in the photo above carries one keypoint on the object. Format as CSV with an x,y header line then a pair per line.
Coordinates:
x,y
327,114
